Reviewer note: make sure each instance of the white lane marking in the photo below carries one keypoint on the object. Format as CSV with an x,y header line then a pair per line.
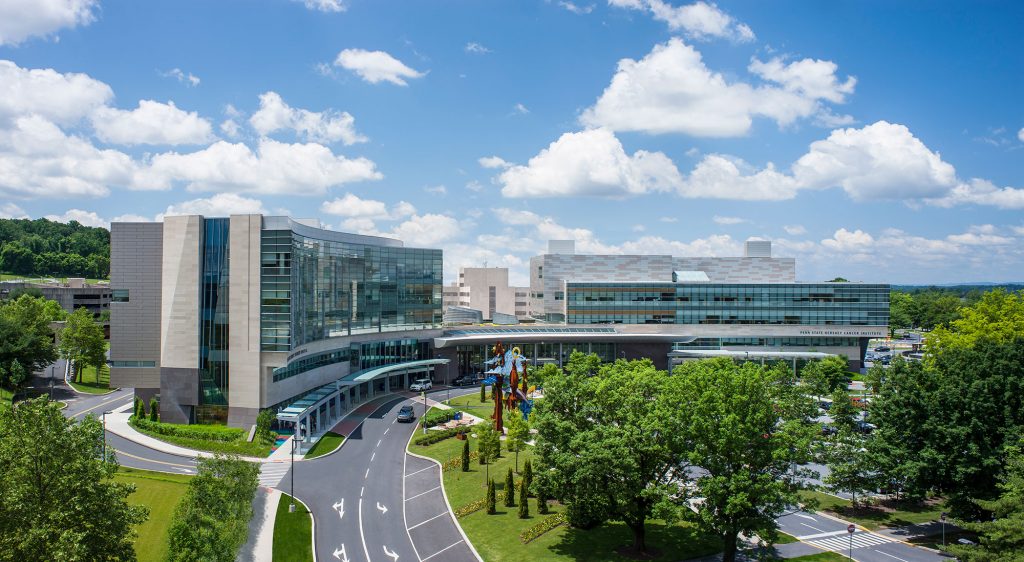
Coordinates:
x,y
391,555
373,456
362,537
424,493
387,430
383,508
367,475
821,535
419,471
813,527
361,491
101,404
378,442
805,516
343,557
858,540
890,555
395,420
340,508
427,521
442,550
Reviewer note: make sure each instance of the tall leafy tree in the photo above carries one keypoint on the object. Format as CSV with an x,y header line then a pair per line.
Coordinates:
x,y
518,433
59,500
1002,538
843,413
850,468
997,317
738,423
25,333
826,375
900,304
81,341
610,443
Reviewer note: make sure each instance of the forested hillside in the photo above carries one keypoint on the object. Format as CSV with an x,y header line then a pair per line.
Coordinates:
x,y
46,248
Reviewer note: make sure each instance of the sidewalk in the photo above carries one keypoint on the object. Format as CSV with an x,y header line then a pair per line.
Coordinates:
x,y
260,544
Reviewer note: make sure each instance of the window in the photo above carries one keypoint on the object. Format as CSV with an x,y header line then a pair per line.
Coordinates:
x,y
119,295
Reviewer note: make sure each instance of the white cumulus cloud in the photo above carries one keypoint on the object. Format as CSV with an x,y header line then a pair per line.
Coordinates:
x,y
671,90
352,206
85,218
180,75
12,211
700,20
794,229
274,167
720,177
21,19
476,48
493,162
589,162
324,5
376,66
61,98
728,220
151,123
220,205
327,126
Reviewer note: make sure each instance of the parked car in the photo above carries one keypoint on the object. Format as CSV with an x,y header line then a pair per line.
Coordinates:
x,y
825,405
405,414
464,380
882,348
420,385
827,430
861,426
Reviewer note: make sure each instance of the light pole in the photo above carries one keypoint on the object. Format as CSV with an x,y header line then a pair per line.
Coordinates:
x,y
943,518
448,382
52,367
104,417
291,506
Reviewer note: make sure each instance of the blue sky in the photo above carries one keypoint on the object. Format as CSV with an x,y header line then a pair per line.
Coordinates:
x,y
879,141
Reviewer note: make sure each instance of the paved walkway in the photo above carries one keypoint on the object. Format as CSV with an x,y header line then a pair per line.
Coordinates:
x,y
259,546
117,423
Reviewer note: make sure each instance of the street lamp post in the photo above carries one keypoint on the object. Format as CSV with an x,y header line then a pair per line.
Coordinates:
x,y
291,506
51,380
448,382
943,518
104,417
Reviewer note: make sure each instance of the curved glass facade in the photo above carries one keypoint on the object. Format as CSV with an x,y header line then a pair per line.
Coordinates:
x,y
313,289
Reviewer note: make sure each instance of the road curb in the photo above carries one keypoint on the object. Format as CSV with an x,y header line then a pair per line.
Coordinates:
x,y
345,440
444,493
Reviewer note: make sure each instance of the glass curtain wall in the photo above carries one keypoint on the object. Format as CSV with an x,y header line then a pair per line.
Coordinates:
x,y
213,320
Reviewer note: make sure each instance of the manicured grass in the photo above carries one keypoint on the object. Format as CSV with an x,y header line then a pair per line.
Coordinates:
x,y
886,514
496,537
5,397
93,382
785,539
472,405
160,493
820,557
327,443
236,445
293,539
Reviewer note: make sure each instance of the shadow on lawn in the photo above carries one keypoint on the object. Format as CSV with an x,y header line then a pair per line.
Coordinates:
x,y
613,541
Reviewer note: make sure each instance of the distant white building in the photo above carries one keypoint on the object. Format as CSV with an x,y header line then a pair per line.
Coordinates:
x,y
487,289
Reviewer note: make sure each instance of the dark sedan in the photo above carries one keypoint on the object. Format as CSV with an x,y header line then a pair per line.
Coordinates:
x,y
405,414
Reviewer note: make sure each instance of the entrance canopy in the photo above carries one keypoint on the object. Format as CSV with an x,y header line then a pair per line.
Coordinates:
x,y
763,354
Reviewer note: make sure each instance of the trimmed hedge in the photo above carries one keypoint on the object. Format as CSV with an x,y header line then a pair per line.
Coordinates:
x,y
236,446
545,525
205,432
437,436
436,417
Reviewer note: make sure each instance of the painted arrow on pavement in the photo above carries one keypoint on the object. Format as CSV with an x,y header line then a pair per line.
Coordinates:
x,y
383,509
343,557
340,508
389,554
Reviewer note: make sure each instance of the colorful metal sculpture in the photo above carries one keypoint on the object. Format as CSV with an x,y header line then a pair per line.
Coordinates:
x,y
511,365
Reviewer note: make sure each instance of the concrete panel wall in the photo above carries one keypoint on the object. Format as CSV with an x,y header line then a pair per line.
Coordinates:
x,y
136,255
244,315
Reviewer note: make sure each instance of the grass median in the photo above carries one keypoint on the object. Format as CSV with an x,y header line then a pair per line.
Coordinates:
x,y
497,537
878,515
161,493
93,381
293,535
326,444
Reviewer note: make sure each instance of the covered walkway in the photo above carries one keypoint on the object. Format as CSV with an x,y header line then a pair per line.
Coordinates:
x,y
317,411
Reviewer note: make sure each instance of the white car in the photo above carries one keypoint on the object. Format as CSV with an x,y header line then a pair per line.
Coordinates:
x,y
420,385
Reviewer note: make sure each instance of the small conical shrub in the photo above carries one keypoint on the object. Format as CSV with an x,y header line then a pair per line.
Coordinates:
x,y
524,505
510,489
465,456
483,392
491,500
542,502
528,474
140,409
154,409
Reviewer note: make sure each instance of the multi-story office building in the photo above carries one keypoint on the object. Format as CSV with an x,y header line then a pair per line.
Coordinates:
x,y
223,317
486,289
71,295
749,304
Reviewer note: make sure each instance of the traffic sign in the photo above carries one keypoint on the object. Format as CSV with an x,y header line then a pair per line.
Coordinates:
x,y
851,528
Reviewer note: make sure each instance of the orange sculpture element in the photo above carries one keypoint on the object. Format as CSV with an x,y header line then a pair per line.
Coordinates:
x,y
499,352
512,364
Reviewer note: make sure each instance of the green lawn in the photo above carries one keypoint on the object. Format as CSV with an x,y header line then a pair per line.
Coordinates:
x,y
820,557
5,397
93,382
887,514
160,493
785,539
496,537
472,405
326,444
293,539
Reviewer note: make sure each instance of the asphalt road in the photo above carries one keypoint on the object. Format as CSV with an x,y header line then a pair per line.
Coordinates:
x,y
363,504
129,453
831,534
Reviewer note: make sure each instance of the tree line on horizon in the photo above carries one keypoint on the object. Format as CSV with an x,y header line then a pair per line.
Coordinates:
x,y
42,247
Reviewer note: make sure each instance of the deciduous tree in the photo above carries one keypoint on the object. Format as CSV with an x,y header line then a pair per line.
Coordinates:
x,y
1002,538
746,444
518,432
59,499
81,341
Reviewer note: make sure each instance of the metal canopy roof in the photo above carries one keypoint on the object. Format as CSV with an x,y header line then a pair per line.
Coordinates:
x,y
748,354
374,372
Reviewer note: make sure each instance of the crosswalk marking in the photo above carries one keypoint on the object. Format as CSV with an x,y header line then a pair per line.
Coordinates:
x,y
271,473
840,543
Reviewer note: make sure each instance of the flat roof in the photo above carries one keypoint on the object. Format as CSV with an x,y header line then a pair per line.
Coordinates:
x,y
708,353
